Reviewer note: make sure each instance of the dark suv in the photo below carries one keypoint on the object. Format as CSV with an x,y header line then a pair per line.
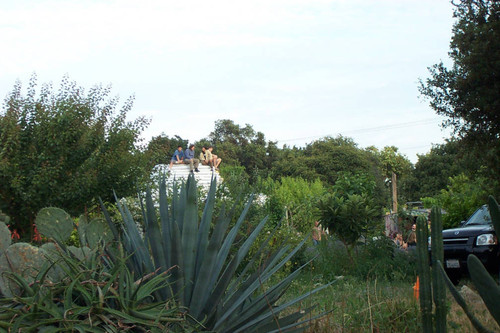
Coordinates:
x,y
475,236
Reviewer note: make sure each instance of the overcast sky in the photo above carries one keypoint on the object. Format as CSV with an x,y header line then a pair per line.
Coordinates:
x,y
296,70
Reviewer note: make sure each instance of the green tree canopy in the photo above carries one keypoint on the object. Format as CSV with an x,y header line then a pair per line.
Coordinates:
x,y
64,148
468,92
294,197
161,148
244,146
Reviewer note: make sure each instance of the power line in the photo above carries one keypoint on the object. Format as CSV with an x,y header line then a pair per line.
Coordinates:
x,y
371,129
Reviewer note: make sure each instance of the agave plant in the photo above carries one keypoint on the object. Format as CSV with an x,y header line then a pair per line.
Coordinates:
x,y
95,295
204,263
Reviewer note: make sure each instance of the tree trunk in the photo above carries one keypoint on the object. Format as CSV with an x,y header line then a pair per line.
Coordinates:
x,y
394,193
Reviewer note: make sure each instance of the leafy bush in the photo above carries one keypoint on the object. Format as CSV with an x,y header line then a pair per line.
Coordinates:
x,y
377,258
348,216
461,198
294,198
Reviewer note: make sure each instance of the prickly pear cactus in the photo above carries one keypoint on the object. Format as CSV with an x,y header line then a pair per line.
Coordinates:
x,y
97,230
54,223
5,239
23,259
4,218
53,254
81,228
80,252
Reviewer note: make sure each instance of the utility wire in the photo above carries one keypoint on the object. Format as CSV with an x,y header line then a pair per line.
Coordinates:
x,y
370,129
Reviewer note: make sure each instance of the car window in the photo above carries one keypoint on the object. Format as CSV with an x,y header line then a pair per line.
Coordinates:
x,y
481,216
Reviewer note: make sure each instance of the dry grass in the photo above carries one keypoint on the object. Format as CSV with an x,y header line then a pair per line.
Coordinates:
x,y
381,306
457,319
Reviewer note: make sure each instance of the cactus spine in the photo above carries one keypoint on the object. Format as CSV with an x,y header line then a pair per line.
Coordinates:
x,y
437,254
424,273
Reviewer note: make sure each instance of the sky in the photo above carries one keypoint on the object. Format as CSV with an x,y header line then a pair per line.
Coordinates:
x,y
296,70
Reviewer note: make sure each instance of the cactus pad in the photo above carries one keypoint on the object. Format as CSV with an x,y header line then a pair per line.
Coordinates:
x,y
53,254
23,259
97,230
5,239
54,223
79,252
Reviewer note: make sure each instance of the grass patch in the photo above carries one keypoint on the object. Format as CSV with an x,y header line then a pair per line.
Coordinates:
x,y
355,305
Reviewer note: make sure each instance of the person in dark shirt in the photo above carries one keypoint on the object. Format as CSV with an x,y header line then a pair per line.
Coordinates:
x,y
177,157
189,159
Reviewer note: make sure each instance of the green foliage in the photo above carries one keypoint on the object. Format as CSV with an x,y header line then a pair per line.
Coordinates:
x,y
348,216
393,161
242,146
161,148
295,199
467,92
459,200
64,148
443,161
376,259
97,295
204,278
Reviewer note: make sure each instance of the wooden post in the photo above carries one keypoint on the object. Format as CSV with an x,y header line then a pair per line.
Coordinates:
x,y
394,193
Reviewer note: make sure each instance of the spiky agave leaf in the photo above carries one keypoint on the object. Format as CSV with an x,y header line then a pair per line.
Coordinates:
x,y
203,276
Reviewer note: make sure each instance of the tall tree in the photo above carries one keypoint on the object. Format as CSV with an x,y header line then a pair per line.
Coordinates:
x,y
161,148
396,167
64,148
468,93
238,145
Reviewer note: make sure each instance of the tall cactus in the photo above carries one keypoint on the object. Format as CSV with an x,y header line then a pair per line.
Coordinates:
x,y
488,289
437,254
424,274
431,277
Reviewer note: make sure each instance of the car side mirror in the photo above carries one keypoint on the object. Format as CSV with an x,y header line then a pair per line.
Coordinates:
x,y
462,223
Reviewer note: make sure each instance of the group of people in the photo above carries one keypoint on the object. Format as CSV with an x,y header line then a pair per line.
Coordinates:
x,y
206,158
411,239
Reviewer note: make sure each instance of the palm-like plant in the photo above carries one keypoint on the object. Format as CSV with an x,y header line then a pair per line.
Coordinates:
x,y
204,278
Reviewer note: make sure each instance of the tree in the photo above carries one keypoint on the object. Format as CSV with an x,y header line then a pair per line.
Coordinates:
x,y
347,216
395,167
64,148
295,198
161,148
350,210
468,93
243,146
460,199
325,159
433,169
